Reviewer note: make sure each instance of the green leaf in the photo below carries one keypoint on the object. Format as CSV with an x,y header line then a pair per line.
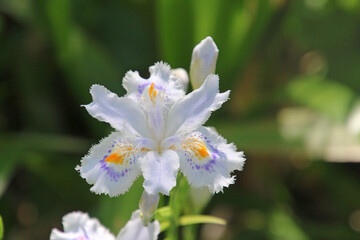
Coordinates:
x,y
163,213
236,27
241,25
203,24
1,228
83,59
16,147
21,142
322,95
283,226
6,168
194,219
115,212
164,225
10,156
175,21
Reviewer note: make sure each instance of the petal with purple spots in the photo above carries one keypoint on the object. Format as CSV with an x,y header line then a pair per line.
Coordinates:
x,y
112,165
207,160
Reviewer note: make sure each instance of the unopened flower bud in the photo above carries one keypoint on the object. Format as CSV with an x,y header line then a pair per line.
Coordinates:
x,y
182,76
203,62
199,198
148,205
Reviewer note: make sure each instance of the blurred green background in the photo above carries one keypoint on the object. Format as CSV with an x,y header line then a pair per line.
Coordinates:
x,y
294,70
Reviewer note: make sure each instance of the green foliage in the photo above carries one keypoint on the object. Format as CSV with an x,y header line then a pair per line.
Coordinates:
x,y
164,215
1,228
175,37
197,219
84,61
325,96
177,201
16,148
283,226
193,219
115,212
236,27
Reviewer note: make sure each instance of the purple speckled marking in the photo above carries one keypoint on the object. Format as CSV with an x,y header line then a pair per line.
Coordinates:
x,y
144,85
159,87
210,164
113,174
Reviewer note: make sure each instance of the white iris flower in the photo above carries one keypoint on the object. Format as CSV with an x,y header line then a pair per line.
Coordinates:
x,y
159,131
79,226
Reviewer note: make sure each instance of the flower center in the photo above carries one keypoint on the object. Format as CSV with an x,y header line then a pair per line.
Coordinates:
x,y
152,93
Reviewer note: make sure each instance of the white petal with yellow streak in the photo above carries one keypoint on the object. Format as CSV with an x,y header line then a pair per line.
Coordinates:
x,y
206,159
112,165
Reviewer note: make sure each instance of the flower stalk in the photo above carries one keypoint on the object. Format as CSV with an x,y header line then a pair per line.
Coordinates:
x,y
177,203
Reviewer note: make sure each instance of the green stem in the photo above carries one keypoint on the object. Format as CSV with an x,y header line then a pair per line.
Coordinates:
x,y
1,229
178,197
190,232
172,233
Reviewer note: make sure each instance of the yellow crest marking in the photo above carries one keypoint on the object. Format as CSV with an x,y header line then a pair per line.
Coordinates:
x,y
152,92
197,147
115,158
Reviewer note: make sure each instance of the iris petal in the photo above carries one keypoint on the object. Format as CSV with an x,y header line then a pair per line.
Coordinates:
x,y
160,170
195,108
112,165
207,160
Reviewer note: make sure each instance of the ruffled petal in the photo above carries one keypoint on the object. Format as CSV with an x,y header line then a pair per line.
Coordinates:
x,y
112,165
160,75
58,235
74,221
135,230
207,160
159,171
195,108
78,225
122,113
